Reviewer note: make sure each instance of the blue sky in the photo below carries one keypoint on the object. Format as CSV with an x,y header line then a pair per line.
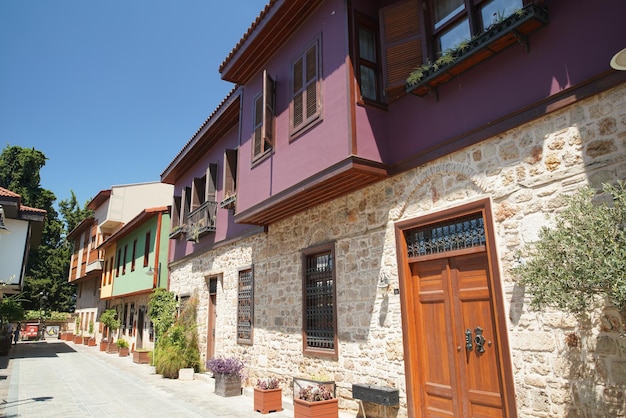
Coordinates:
x,y
111,90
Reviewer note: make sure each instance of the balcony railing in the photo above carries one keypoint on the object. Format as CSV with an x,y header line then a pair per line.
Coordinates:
x,y
198,223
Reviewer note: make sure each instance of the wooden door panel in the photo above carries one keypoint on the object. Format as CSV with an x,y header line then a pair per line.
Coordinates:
x,y
436,371
481,375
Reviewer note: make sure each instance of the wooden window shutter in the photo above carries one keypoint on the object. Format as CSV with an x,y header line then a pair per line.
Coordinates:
x,y
211,182
311,81
298,94
230,172
268,111
402,41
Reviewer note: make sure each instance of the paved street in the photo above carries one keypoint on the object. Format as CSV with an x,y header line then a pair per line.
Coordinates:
x,y
58,379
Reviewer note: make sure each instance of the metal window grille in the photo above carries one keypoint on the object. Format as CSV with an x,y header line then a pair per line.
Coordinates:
x,y
455,234
320,329
244,307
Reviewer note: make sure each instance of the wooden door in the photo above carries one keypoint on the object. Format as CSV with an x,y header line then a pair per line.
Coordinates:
x,y
210,339
459,373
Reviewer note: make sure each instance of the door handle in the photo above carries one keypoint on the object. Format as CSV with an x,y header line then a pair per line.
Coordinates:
x,y
479,340
468,340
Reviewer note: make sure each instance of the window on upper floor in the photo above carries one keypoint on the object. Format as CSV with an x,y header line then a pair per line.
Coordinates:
x,y
186,201
119,262
306,105
198,192
414,33
146,250
245,306
176,212
263,118
319,306
367,59
132,260
124,262
230,176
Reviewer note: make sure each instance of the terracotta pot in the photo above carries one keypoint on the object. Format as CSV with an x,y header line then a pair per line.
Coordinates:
x,y
91,342
112,348
123,351
268,400
78,339
103,345
319,409
227,385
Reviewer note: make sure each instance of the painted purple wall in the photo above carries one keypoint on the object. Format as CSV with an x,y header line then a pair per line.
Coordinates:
x,y
326,142
226,228
577,45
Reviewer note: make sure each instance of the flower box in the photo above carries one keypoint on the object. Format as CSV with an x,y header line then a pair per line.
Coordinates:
x,y
91,342
112,348
514,29
78,339
268,400
319,409
103,345
227,384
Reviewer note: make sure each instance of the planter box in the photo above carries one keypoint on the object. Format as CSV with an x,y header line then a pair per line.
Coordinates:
x,y
319,409
103,345
227,385
91,342
78,339
86,340
123,351
269,400
141,357
516,28
376,394
112,348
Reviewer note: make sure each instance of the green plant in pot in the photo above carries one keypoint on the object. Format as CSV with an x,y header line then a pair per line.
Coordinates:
x,y
112,324
123,347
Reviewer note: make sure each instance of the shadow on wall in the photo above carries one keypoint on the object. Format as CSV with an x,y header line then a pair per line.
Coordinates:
x,y
596,366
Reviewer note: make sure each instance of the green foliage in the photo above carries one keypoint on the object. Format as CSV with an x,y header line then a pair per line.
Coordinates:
x,y
178,347
580,263
162,310
109,320
122,343
11,309
31,315
48,265
91,328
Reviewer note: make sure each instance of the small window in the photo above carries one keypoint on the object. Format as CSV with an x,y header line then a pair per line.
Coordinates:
x,y
124,263
146,250
245,307
119,262
198,192
305,106
367,65
318,300
264,118
132,261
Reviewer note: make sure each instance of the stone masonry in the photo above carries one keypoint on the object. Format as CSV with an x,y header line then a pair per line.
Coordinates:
x,y
560,368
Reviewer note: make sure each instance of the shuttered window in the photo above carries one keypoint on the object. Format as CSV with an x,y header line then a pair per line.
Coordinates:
x,y
305,104
401,33
367,65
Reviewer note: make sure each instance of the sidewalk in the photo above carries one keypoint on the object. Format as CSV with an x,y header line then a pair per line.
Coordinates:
x,y
199,392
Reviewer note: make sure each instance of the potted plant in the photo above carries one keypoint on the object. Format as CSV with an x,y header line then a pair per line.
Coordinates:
x,y
227,373
92,339
122,346
268,396
109,319
314,399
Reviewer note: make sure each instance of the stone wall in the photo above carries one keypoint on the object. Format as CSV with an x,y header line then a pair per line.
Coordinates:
x,y
560,369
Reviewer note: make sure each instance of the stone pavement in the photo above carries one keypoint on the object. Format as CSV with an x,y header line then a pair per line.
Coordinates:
x,y
55,378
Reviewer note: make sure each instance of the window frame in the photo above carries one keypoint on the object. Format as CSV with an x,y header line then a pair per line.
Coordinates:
x,y
306,122
241,302
362,21
307,254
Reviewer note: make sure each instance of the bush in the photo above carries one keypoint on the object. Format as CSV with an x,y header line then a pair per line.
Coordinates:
x,y
228,366
122,343
579,264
